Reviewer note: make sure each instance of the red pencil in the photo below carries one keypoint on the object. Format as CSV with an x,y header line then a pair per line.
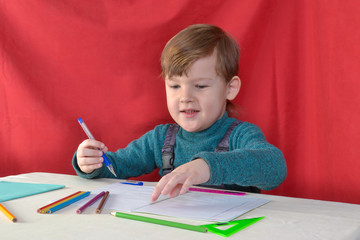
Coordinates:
x,y
39,210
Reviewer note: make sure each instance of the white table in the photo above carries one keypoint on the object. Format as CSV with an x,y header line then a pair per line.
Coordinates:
x,y
285,218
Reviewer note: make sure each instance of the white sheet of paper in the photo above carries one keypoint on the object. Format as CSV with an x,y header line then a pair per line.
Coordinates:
x,y
204,206
192,205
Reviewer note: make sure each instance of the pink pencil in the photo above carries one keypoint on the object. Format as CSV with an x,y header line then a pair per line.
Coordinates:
x,y
216,191
91,202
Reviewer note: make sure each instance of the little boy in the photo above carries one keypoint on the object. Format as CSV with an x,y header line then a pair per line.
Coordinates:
x,y
200,68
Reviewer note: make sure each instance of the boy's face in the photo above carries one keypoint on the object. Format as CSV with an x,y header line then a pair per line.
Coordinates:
x,y
197,100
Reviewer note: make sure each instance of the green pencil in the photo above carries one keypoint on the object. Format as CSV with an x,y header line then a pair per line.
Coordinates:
x,y
160,222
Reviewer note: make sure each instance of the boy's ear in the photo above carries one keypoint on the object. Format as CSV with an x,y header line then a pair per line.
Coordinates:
x,y
233,88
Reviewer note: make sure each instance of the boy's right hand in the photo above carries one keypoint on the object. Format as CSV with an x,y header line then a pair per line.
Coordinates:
x,y
89,155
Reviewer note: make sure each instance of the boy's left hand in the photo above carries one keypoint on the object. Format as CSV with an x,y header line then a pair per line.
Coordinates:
x,y
182,178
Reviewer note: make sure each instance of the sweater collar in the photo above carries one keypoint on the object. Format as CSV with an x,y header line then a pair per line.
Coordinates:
x,y
211,131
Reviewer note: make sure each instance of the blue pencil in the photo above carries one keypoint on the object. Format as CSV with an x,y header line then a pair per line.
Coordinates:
x,y
67,203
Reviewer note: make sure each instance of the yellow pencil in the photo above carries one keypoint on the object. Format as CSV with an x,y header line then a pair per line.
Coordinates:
x,y
46,209
8,214
49,205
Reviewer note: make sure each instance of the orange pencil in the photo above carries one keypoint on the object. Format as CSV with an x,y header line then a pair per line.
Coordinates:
x,y
45,210
98,210
7,213
42,208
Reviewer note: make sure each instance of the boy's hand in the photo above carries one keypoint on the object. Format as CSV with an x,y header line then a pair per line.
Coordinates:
x,y
182,178
89,155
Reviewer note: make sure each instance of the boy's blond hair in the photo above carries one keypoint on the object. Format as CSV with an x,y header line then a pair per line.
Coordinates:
x,y
197,41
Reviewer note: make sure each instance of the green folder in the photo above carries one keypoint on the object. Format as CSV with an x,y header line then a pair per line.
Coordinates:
x,y
13,190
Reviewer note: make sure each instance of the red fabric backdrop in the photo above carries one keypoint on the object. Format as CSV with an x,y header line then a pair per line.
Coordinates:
x,y
99,60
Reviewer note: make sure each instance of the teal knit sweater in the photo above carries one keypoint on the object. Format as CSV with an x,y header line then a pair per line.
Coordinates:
x,y
251,161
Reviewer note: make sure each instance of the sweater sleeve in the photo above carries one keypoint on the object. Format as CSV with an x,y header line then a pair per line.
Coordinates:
x,y
251,160
138,158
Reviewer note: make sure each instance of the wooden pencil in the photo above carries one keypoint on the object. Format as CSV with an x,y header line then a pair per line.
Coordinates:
x,y
46,210
47,206
98,210
7,213
68,202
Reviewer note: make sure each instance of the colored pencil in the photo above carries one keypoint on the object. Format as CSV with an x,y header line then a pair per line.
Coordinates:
x,y
7,213
68,202
98,210
216,191
46,210
91,202
47,206
160,222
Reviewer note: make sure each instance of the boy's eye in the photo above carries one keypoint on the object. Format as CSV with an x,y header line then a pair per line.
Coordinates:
x,y
201,86
175,86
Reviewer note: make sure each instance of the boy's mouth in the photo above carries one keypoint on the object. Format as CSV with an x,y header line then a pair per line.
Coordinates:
x,y
189,112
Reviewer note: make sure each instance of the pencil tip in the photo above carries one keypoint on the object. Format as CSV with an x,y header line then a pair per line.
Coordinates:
x,y
111,169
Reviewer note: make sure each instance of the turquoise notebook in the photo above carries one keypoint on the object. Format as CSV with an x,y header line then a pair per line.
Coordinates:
x,y
12,190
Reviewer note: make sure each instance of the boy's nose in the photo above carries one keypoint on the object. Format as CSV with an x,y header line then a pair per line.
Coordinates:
x,y
186,95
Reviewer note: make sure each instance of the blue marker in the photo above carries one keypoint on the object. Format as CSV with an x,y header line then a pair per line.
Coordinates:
x,y
90,136
133,183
